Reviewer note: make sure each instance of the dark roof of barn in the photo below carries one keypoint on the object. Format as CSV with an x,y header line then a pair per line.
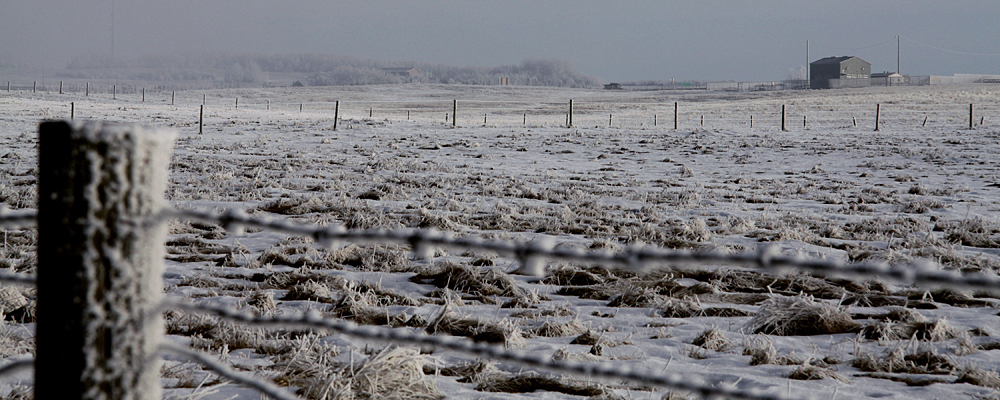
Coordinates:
x,y
834,60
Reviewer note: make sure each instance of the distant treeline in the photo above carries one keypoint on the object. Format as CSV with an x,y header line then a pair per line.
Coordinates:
x,y
318,70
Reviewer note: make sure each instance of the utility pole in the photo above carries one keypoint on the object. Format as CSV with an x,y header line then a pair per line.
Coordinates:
x,y
112,32
897,56
808,81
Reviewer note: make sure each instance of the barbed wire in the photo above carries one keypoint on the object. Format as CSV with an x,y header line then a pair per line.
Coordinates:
x,y
18,279
224,371
637,258
16,366
313,319
16,219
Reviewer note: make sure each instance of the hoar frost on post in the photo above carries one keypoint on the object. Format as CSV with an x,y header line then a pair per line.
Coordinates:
x,y
99,255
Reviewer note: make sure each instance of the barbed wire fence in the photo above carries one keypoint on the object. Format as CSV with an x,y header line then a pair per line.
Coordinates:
x,y
602,110
132,146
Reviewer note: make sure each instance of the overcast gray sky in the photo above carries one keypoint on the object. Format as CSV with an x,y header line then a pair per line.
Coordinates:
x,y
612,40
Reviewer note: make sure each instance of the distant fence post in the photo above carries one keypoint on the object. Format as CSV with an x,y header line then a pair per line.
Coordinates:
x,y
60,87
33,84
454,113
675,115
99,282
114,92
783,118
569,122
336,113
970,117
201,117
878,114
143,95
72,110
87,92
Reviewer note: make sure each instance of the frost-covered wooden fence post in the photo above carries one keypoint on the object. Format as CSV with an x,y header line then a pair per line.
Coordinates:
x,y
878,115
569,120
970,117
336,113
783,118
99,274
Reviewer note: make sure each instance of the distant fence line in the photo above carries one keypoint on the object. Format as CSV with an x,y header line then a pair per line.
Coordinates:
x,y
596,113
105,228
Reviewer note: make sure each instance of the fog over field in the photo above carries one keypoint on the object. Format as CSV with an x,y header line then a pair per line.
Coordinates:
x,y
922,188
614,42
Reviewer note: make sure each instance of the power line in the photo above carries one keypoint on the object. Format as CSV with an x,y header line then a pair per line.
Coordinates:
x,y
857,48
951,51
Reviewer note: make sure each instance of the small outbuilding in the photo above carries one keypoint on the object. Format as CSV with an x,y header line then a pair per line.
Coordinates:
x,y
887,79
839,72
613,86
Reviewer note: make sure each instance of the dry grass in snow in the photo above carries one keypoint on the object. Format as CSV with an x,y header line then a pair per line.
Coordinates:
x,y
800,316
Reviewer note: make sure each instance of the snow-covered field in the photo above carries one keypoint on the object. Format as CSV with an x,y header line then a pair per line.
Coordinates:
x,y
913,190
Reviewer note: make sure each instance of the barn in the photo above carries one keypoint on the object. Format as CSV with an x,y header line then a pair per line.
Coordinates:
x,y
839,72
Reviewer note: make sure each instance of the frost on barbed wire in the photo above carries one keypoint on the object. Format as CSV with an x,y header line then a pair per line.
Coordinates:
x,y
635,257
16,219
